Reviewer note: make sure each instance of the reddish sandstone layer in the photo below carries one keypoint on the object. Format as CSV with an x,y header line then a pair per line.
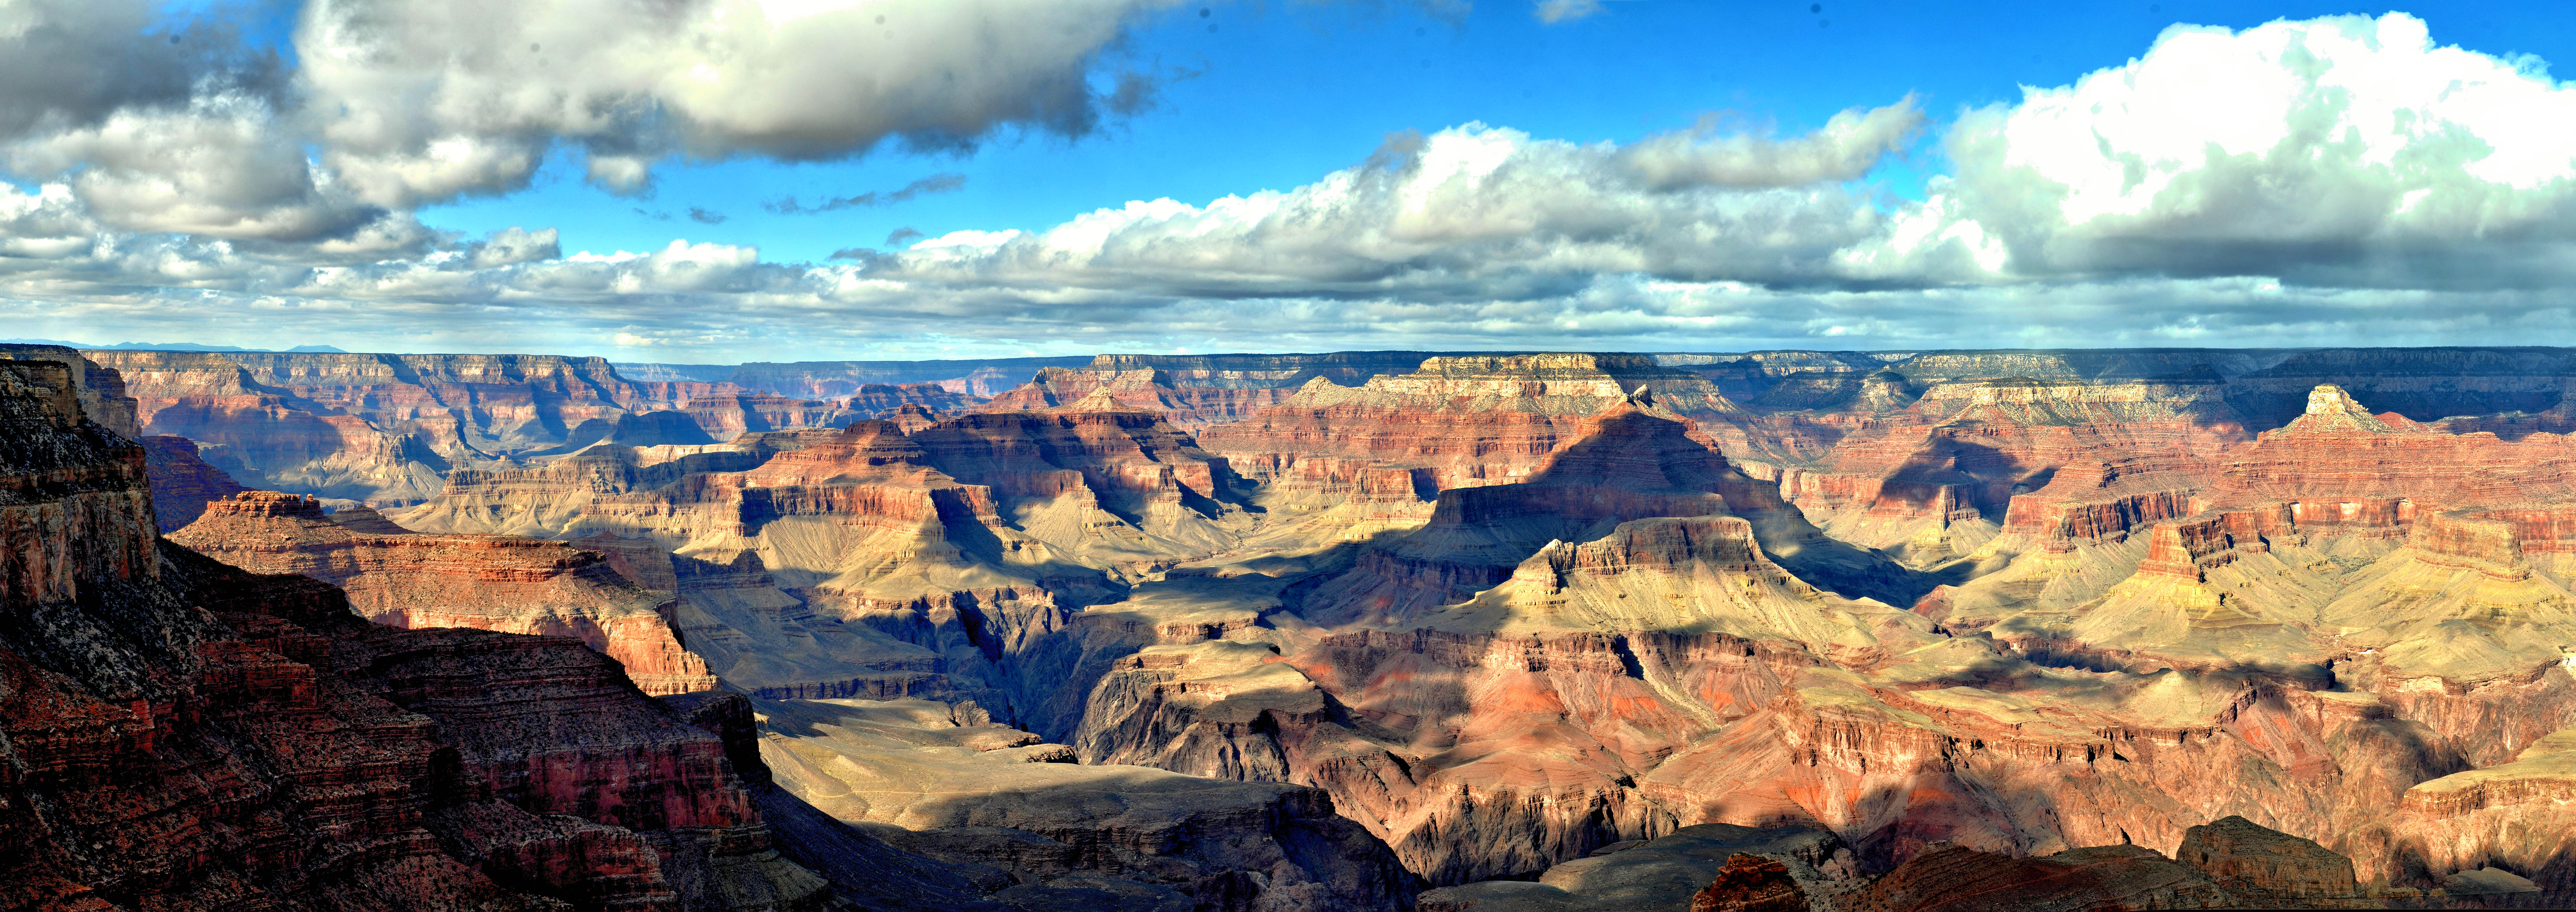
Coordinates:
x,y
1146,388
485,582
385,428
968,536
183,735
728,415
101,390
183,484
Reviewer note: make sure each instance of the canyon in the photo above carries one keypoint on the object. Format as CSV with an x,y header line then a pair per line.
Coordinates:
x,y
2099,629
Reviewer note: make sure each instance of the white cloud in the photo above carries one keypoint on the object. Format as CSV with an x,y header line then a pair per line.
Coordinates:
x,y
1467,212
2345,151
420,101
163,125
1846,148
2297,183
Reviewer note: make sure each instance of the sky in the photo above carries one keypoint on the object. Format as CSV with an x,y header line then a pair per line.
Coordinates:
x,y
716,181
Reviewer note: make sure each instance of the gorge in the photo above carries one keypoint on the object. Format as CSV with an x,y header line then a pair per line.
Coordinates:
x,y
2094,629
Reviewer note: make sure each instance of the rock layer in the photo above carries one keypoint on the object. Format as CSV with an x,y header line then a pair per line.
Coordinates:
x,y
482,582
182,735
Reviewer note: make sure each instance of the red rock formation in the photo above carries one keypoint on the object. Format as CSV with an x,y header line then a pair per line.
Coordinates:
x,y
1503,632
2254,863
878,397
1750,883
1194,390
729,415
101,390
1147,389
384,428
182,484
1456,421
183,735
2104,879
485,582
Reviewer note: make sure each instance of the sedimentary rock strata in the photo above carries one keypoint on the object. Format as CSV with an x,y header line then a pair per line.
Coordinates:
x,y
1456,421
182,483
186,735
2091,629
973,793
484,582
385,429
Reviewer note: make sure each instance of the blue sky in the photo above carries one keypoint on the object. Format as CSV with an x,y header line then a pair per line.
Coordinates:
x,y
607,176
1286,92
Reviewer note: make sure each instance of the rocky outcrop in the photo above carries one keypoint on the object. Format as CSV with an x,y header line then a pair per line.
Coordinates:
x,y
412,581
182,484
2333,411
1458,421
634,429
976,795
1726,864
2105,879
2420,383
875,398
879,562
1203,389
728,415
2508,817
2255,864
180,734
101,390
1750,883
1144,388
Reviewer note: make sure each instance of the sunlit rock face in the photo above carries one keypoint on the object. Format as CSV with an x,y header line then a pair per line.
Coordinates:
x,y
183,734
385,429
484,582
1477,626
1194,390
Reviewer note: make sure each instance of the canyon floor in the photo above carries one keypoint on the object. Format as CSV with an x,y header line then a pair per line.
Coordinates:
x,y
2086,629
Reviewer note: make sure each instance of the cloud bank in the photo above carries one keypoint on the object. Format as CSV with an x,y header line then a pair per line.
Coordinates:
x,y
2317,182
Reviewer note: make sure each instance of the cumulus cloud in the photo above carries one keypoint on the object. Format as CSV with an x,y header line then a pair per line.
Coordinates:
x,y
2342,152
68,64
1849,145
420,101
514,245
164,124
2296,183
1466,212
218,168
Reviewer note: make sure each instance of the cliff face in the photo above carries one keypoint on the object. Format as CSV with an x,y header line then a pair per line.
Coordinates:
x,y
181,734
484,582
182,483
1145,388
384,429
875,561
101,390
1458,421
975,795
1193,390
